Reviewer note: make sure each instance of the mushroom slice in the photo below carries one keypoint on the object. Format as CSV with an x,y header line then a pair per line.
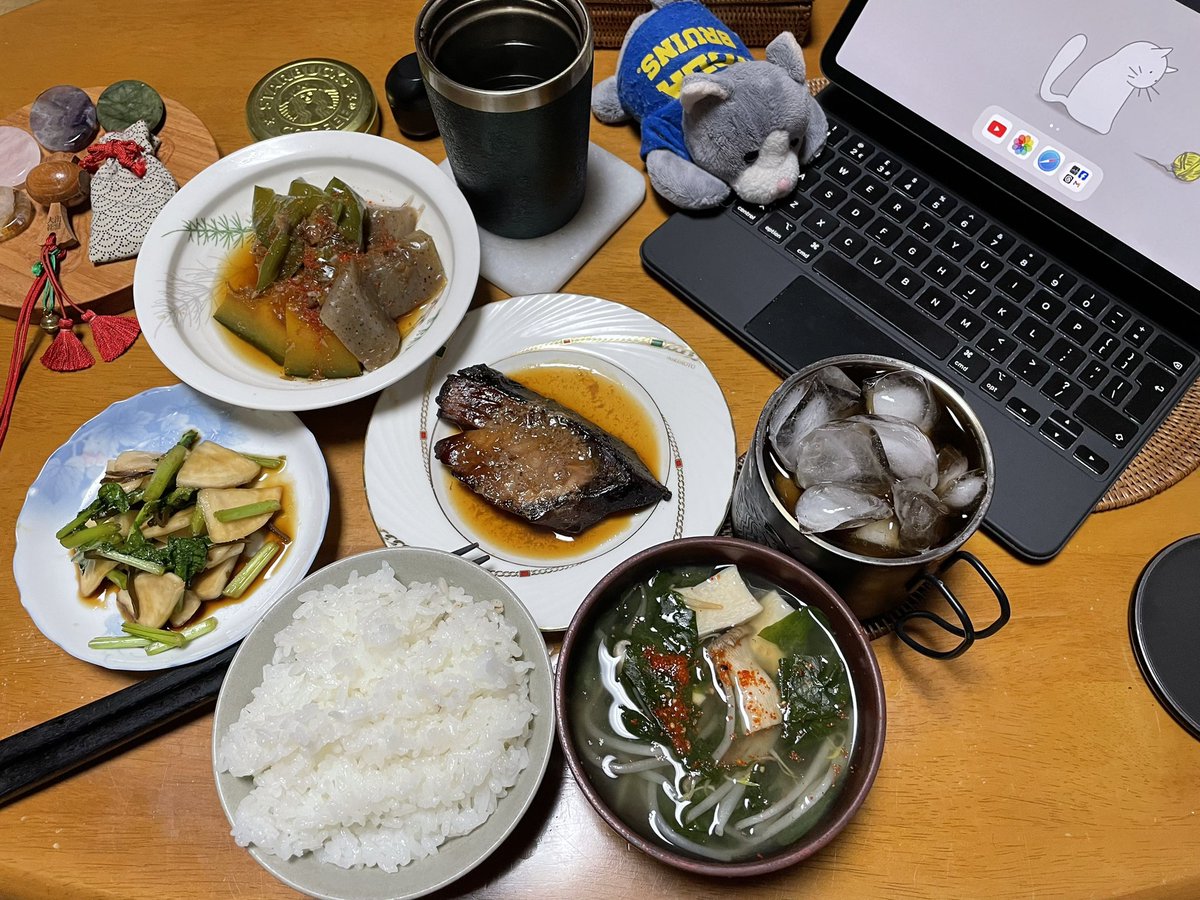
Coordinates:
x,y
721,602
155,597
754,693
208,584
188,605
218,553
209,465
125,606
131,462
91,576
179,522
211,500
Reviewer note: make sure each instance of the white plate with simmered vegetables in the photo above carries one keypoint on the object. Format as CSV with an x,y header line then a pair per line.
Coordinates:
x,y
307,270
562,434
167,525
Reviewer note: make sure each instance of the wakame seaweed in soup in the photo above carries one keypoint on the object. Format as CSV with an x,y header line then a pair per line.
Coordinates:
x,y
718,727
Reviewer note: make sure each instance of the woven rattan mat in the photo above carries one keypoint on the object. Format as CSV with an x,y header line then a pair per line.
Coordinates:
x,y
1171,454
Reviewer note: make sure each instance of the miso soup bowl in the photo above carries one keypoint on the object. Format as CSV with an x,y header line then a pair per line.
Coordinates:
x,y
787,573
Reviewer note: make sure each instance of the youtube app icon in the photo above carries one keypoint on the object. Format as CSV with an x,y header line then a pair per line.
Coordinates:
x,y
997,128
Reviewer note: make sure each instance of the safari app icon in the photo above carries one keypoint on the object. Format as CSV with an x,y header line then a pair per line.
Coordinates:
x,y
1049,160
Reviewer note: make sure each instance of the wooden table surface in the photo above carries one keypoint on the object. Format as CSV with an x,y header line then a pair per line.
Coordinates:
x,y
1037,764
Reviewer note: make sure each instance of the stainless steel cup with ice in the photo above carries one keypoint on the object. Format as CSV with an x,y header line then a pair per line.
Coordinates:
x,y
881,587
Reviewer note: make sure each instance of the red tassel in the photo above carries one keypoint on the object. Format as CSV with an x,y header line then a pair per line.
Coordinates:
x,y
113,334
66,352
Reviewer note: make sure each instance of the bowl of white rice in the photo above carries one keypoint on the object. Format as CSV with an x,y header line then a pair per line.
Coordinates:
x,y
385,726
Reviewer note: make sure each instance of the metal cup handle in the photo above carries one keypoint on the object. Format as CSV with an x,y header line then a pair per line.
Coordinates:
x,y
967,632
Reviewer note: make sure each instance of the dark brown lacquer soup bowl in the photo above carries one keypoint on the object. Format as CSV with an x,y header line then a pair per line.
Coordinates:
x,y
827,801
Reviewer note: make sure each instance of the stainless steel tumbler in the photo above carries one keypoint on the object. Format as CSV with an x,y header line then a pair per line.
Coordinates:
x,y
510,83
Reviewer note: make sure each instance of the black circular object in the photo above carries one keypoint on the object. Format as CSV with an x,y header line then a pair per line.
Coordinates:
x,y
1164,622
407,98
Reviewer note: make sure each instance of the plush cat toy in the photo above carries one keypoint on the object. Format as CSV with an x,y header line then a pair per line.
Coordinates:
x,y
712,117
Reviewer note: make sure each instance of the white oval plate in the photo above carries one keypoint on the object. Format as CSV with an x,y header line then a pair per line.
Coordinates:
x,y
456,856
405,481
196,231
154,420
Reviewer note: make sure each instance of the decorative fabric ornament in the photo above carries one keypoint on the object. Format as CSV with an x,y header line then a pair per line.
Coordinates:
x,y
124,202
66,352
113,334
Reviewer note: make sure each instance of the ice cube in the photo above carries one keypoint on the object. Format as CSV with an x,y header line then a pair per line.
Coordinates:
x,y
963,491
881,537
830,507
828,395
909,453
951,464
904,395
920,514
846,453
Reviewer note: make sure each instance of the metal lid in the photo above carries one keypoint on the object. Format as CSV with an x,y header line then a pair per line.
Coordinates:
x,y
311,95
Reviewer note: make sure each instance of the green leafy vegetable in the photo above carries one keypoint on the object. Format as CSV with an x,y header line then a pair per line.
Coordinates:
x,y
790,633
815,695
187,555
113,499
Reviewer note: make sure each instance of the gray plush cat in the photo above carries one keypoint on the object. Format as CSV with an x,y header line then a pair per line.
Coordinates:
x,y
712,117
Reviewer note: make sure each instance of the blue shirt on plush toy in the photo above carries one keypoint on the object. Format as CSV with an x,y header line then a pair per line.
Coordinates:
x,y
678,39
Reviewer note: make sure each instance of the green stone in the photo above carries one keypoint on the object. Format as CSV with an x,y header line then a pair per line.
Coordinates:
x,y
126,102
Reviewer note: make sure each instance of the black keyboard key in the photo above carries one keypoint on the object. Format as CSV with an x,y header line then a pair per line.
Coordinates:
x,y
749,212
1115,318
1056,434
967,220
911,251
997,240
1092,374
1091,460
1155,377
1116,390
828,194
954,245
1065,422
876,263
1089,300
870,189
969,363
1046,306
998,384
996,344
837,133
1142,405
1066,355
935,302
1035,333
807,178
795,206
1078,328
984,264
906,282
1106,421
884,230
843,172
1126,361
1062,390
883,165
1003,312
849,243
1138,333
1029,368
777,227
970,290
941,270
1014,285
1027,260
966,323
938,203
1105,345
855,212
876,297
821,223
1170,354
857,149
912,184
1057,279
805,246
925,226
1023,411
897,207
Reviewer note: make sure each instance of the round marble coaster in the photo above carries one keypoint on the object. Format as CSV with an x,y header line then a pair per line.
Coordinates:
x,y
63,118
126,102
19,153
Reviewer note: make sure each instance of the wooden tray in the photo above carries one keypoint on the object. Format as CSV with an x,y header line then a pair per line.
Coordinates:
x,y
186,148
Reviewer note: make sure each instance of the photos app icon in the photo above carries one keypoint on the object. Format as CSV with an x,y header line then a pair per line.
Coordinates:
x,y
1023,144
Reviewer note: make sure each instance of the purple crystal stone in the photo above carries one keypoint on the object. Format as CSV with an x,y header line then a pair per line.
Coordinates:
x,y
63,118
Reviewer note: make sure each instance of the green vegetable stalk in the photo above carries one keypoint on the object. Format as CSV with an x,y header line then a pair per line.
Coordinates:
x,y
237,586
248,511
168,466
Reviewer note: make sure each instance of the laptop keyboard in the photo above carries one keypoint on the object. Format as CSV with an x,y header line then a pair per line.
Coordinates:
x,y
1075,367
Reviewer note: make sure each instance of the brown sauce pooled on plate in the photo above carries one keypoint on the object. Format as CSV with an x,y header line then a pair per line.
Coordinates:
x,y
606,403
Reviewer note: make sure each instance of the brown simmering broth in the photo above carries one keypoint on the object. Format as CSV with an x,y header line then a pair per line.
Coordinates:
x,y
606,403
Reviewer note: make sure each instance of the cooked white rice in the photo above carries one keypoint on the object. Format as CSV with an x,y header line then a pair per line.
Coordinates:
x,y
391,718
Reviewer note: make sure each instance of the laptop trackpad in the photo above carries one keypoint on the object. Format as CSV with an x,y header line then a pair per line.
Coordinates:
x,y
805,323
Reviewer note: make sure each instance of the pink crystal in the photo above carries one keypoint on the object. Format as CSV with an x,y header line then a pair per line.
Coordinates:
x,y
19,153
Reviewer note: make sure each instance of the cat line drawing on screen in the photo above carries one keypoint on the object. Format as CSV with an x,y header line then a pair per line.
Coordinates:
x,y
1102,90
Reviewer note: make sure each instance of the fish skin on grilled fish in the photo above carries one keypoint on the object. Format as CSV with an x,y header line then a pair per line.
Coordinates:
x,y
535,458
